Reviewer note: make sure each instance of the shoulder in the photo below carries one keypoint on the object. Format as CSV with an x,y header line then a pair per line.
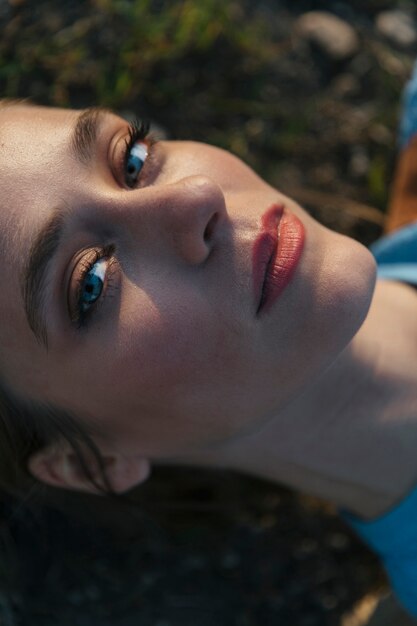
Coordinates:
x,y
393,536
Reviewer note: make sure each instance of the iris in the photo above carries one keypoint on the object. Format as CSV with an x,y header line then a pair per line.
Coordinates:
x,y
93,284
135,161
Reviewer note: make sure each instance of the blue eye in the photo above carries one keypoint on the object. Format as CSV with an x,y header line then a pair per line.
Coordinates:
x,y
136,157
92,285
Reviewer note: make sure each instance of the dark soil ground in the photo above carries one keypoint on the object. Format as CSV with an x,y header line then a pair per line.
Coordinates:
x,y
204,548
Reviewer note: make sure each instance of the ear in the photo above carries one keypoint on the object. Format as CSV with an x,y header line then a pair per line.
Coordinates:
x,y
58,465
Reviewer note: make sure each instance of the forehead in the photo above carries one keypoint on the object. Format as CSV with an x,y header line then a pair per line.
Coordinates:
x,y
34,163
30,123
32,116
31,138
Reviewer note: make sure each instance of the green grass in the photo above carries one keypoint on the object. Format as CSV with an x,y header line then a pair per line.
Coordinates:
x,y
228,73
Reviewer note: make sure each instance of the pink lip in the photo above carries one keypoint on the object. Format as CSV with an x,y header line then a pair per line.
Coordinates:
x,y
276,253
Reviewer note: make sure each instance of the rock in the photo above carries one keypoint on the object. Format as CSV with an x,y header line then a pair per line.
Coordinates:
x,y
359,162
330,33
381,134
345,85
398,27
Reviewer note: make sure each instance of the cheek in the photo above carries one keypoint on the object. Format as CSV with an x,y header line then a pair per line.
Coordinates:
x,y
173,349
179,380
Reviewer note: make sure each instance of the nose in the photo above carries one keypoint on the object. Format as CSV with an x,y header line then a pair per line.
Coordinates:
x,y
185,217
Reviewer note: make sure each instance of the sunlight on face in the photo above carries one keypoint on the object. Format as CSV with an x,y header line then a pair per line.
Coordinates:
x,y
132,280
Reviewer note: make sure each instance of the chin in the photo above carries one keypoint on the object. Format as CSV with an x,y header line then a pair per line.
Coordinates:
x,y
338,280
350,278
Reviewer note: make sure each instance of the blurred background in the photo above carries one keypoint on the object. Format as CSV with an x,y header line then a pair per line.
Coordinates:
x,y
308,93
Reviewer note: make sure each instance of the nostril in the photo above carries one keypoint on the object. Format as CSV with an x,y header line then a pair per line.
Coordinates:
x,y
210,227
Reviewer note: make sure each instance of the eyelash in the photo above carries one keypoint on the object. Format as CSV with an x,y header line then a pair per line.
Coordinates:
x,y
79,317
138,131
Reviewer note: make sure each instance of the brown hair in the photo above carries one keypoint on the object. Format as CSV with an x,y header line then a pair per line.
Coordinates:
x,y
25,428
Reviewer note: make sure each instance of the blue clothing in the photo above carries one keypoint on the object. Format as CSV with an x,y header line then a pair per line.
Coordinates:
x,y
393,536
396,254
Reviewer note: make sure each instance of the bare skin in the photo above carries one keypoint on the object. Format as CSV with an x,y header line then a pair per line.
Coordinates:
x,y
351,437
174,366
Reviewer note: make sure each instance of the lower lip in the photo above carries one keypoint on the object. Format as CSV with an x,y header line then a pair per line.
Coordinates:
x,y
284,260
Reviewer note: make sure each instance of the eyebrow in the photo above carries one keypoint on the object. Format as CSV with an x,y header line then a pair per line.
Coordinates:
x,y
84,136
41,253
46,243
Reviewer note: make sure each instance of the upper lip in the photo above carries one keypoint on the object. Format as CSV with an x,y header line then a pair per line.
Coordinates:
x,y
264,250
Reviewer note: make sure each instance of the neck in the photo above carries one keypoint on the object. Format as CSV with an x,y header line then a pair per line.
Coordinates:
x,y
342,438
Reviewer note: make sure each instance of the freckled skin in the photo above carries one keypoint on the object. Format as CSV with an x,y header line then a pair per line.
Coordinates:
x,y
174,358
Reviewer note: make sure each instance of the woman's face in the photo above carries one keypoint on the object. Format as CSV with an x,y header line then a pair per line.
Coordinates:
x,y
128,293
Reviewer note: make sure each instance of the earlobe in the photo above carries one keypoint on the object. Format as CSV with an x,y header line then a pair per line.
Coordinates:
x,y
59,466
124,473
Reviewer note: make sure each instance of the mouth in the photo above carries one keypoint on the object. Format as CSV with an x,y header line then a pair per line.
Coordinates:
x,y
276,253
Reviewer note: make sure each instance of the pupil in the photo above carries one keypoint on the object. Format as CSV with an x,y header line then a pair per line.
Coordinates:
x,y
92,287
